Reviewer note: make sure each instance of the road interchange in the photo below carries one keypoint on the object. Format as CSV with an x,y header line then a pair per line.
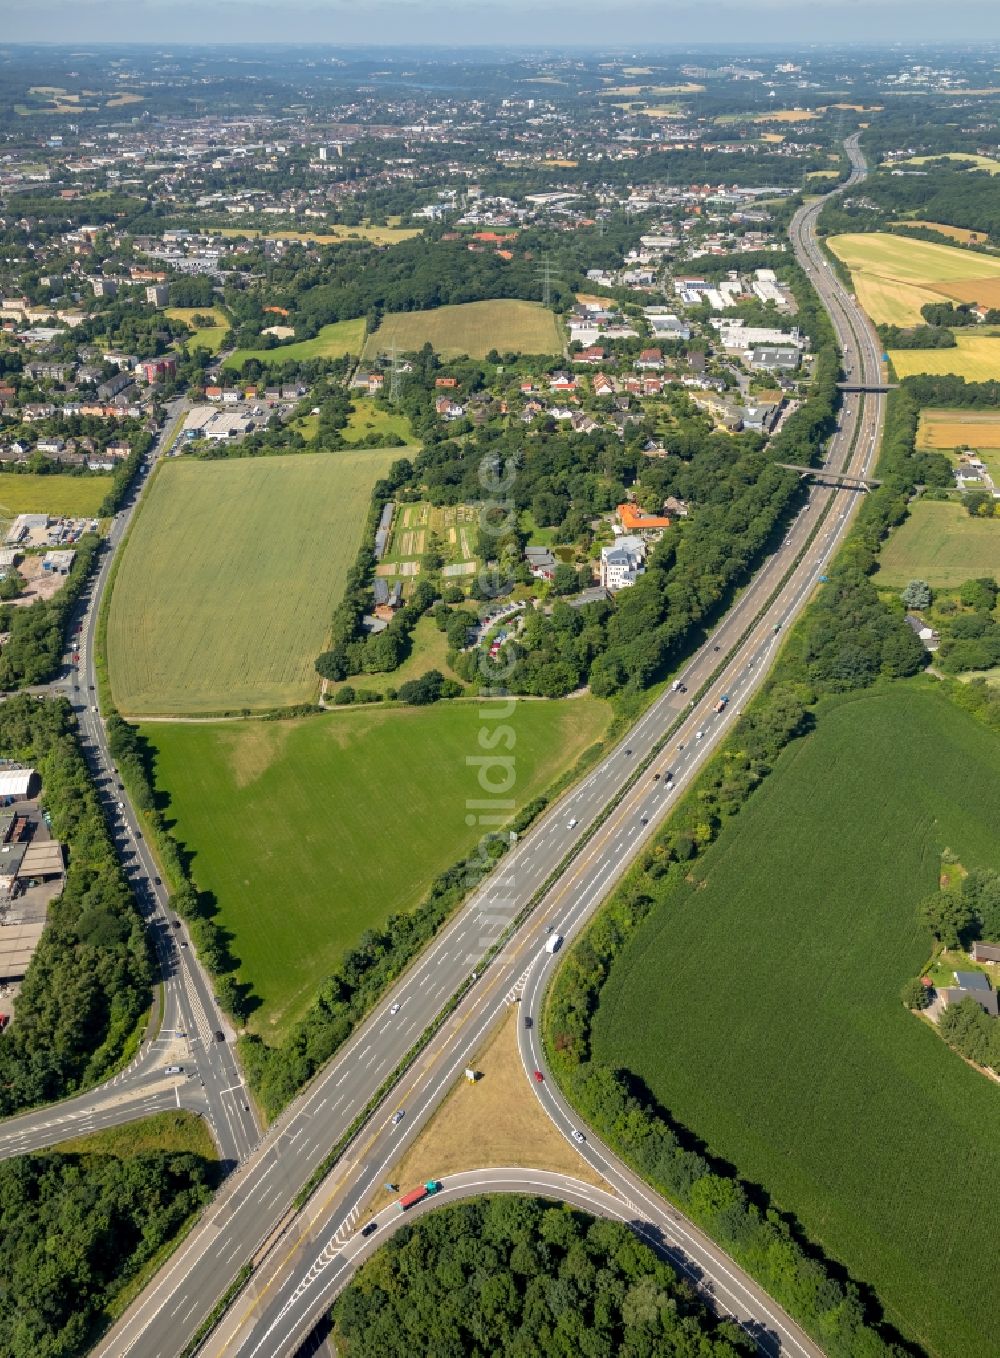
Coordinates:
x,y
568,863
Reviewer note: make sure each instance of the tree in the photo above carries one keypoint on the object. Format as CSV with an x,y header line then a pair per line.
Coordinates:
x,y
947,914
981,888
917,594
915,995
980,594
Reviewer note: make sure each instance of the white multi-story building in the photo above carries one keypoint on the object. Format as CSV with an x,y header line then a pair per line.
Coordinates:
x,y
623,562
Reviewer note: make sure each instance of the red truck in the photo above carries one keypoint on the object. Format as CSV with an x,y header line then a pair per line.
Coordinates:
x,y
418,1194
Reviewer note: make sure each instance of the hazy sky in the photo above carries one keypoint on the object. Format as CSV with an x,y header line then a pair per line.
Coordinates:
x,y
520,22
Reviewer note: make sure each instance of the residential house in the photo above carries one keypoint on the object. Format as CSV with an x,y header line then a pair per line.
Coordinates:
x,y
985,952
623,562
634,519
973,985
650,360
927,634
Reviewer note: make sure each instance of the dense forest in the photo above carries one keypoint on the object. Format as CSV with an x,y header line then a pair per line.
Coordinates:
x,y
516,1277
944,193
88,985
76,1229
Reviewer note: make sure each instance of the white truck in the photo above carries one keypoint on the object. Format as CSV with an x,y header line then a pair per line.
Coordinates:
x,y
553,943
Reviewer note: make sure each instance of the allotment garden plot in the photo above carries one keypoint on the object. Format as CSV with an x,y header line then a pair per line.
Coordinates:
x,y
229,579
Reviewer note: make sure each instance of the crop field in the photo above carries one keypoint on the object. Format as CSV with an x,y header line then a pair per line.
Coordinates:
x,y
961,234
333,341
472,328
894,276
333,235
943,430
232,571
204,336
942,544
760,1004
980,162
69,496
310,832
976,358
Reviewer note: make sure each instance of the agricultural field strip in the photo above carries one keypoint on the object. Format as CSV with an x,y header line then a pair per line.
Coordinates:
x,y
250,551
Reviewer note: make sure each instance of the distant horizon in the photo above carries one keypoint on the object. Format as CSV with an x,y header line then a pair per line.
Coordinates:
x,y
649,24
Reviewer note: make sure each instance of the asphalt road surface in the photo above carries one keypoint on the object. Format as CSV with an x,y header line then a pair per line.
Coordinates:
x,y
585,848
209,1081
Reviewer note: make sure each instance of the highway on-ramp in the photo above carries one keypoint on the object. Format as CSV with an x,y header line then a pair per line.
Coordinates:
x,y
565,864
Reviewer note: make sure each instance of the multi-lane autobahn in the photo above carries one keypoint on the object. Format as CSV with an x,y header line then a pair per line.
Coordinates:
x,y
206,1077
564,866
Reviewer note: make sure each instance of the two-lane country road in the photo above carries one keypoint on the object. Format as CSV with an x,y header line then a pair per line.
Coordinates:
x,y
209,1082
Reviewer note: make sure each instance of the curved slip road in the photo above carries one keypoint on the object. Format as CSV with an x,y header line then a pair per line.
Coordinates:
x,y
252,1217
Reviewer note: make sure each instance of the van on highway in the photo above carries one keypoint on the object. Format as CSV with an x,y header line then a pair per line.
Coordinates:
x,y
554,943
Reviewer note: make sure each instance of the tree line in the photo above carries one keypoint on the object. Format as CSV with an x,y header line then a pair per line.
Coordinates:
x,y
77,1230
88,985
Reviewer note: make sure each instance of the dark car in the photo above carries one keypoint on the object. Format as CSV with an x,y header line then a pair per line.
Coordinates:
x,y
219,1035
370,1229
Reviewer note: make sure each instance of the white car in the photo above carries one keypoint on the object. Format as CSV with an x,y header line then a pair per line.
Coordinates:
x,y
698,735
571,825
578,1136
398,1116
395,1008
173,1070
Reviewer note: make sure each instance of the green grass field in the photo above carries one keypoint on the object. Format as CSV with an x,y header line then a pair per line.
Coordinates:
x,y
942,544
333,341
473,328
72,496
228,582
369,419
760,1004
176,1131
205,336
310,832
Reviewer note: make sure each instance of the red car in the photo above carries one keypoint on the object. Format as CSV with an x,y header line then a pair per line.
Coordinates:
x,y
539,1077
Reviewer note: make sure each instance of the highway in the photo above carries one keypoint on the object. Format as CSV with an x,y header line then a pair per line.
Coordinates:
x,y
208,1081
577,852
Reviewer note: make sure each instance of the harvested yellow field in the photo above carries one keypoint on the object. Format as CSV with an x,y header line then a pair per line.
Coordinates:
x,y
942,430
776,139
891,303
894,276
977,359
958,233
334,235
630,91
980,162
788,115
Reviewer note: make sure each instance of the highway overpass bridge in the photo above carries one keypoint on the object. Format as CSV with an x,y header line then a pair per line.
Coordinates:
x,y
832,478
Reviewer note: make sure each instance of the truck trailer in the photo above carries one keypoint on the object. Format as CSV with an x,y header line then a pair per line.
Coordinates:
x,y
418,1194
